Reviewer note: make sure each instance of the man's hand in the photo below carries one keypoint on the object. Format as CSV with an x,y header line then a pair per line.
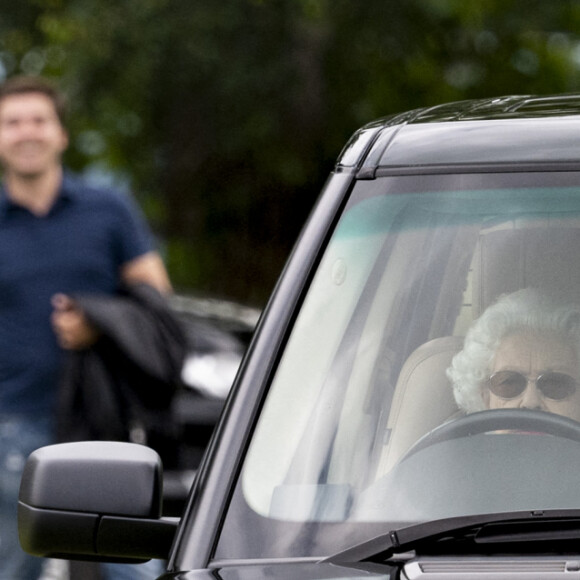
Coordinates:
x,y
73,331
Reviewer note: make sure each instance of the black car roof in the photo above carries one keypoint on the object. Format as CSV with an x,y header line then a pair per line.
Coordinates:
x,y
506,130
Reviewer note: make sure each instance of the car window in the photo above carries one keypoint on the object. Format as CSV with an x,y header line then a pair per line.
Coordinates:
x,y
413,261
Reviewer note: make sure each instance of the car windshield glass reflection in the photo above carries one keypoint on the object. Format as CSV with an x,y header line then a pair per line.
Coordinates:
x,y
381,410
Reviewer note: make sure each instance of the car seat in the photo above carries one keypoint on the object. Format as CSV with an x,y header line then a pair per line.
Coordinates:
x,y
544,255
423,397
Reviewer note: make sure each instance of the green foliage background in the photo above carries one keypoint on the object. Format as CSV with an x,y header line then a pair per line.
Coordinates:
x,y
224,118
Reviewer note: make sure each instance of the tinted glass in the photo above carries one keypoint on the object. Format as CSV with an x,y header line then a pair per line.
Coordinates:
x,y
413,261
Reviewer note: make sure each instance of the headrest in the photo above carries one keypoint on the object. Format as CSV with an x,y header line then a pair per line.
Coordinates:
x,y
543,257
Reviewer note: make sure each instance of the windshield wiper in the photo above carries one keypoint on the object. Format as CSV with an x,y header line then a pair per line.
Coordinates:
x,y
468,534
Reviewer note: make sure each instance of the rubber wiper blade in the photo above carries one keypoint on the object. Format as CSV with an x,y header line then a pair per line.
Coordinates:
x,y
544,530
482,529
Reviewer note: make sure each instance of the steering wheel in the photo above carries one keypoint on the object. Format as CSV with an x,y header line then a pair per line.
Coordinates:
x,y
498,420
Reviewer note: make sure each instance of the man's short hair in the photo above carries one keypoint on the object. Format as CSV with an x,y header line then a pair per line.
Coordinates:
x,y
21,85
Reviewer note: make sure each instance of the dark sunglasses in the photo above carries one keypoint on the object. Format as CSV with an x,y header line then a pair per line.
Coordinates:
x,y
552,385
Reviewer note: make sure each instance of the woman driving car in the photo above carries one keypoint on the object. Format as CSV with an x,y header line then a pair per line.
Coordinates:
x,y
522,352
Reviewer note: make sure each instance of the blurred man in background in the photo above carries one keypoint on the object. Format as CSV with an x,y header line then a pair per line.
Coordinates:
x,y
58,236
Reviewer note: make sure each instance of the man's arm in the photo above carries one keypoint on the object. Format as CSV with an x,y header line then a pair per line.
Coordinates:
x,y
147,269
73,330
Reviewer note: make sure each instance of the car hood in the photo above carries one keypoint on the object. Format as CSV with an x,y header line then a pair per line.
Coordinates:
x,y
292,571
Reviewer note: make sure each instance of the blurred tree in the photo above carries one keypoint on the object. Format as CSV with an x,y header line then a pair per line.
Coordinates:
x,y
225,117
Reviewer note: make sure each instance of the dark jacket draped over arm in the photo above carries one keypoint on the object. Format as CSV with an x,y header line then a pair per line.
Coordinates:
x,y
125,383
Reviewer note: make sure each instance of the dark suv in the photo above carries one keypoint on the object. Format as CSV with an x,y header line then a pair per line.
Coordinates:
x,y
409,404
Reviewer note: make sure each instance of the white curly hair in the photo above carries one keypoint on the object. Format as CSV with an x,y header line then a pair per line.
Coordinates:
x,y
524,310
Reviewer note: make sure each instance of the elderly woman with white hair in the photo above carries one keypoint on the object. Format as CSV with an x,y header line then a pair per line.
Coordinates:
x,y
522,352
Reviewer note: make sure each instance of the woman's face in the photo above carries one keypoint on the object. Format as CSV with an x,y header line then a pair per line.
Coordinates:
x,y
533,355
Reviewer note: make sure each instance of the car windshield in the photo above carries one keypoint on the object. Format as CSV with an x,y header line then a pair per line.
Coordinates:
x,y
365,428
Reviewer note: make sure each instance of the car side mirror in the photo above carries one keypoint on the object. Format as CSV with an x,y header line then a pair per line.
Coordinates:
x,y
94,500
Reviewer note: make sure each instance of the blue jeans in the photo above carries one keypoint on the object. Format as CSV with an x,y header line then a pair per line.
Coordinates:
x,y
148,571
19,436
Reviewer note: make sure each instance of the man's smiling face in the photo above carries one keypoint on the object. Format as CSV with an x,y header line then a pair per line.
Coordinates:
x,y
32,138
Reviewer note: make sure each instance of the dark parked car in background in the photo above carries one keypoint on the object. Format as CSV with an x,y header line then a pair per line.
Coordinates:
x,y
343,451
218,332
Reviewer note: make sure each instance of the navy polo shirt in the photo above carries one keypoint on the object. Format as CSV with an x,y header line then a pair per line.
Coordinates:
x,y
78,246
